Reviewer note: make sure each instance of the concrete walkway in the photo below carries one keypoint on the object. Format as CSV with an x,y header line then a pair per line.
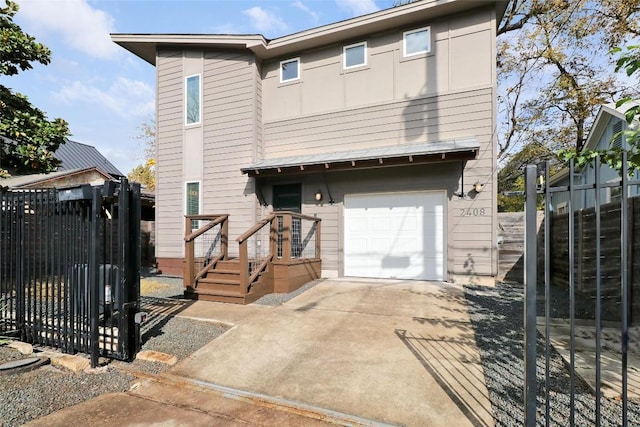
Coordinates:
x,y
382,351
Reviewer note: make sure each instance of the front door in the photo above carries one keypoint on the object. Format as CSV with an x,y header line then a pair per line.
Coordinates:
x,y
288,197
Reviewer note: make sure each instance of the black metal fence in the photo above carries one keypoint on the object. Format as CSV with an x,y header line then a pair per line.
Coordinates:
x,y
69,268
538,287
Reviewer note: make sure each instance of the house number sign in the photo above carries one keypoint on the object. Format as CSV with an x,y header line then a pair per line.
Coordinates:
x,y
473,212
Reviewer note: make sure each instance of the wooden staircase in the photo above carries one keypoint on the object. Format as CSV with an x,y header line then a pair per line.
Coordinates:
x,y
221,283
210,275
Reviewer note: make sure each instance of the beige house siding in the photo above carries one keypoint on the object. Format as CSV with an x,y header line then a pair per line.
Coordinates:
x,y
211,152
170,125
458,45
248,115
231,137
330,109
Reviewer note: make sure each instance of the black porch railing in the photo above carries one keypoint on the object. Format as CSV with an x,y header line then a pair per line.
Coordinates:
x,y
69,268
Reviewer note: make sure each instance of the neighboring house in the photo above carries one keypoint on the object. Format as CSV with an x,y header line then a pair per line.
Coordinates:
x,y
80,164
57,179
382,125
75,155
605,133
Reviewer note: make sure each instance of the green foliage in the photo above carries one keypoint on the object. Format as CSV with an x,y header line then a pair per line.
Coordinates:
x,y
145,173
34,137
629,60
511,177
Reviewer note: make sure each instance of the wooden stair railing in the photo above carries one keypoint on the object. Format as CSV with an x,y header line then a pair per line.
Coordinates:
x,y
190,275
252,275
249,274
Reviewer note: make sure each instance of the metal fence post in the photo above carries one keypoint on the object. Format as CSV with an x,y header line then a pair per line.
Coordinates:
x,y
94,274
530,282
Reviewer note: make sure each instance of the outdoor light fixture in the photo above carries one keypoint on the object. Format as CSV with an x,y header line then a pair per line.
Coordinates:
x,y
478,186
318,195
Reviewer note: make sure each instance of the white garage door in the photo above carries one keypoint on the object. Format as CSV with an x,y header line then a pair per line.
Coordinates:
x,y
394,235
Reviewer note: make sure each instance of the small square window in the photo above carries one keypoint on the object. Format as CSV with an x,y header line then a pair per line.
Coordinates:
x,y
355,55
290,70
417,41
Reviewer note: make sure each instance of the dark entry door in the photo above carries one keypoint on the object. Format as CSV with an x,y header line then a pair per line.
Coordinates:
x,y
288,197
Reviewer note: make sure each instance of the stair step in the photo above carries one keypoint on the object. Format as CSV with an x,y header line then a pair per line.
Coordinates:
x,y
215,275
216,281
224,271
228,265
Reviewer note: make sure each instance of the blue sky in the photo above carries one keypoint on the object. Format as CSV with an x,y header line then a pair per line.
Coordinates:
x,y
105,92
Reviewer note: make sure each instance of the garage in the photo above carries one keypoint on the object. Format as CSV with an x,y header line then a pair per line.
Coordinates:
x,y
395,235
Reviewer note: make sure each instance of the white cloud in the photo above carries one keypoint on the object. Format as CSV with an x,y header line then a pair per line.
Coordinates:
x,y
265,21
358,7
299,5
83,27
124,97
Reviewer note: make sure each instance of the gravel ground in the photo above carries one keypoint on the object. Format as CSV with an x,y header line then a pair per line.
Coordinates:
x,y
497,316
29,395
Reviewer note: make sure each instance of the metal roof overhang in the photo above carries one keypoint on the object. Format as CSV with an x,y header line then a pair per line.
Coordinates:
x,y
396,155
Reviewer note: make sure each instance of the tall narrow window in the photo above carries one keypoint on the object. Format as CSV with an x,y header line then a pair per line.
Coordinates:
x,y
417,41
355,55
192,103
192,202
289,70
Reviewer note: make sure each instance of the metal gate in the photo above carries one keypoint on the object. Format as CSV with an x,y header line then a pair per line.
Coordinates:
x,y
605,276
69,268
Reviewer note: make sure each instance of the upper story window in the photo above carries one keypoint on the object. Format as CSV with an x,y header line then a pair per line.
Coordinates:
x,y
289,70
417,41
355,55
192,101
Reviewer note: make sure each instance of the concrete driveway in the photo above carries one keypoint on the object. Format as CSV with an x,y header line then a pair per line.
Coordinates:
x,y
347,352
398,352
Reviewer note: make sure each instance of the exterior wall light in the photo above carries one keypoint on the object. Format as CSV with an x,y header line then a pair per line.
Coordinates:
x,y
478,186
318,195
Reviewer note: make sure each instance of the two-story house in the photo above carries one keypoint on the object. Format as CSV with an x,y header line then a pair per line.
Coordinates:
x,y
382,126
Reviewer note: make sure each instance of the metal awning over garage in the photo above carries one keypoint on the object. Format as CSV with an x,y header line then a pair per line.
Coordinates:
x,y
395,155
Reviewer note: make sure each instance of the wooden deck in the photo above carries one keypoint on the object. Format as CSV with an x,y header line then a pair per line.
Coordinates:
x,y
291,260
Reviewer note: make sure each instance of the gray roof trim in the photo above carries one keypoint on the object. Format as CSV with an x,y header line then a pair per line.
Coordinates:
x,y
354,156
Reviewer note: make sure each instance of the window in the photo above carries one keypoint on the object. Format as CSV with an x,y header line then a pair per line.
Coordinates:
x,y
289,70
192,201
355,55
417,41
192,102
562,208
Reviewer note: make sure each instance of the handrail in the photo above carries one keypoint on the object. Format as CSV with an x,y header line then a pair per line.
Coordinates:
x,y
260,268
253,230
190,277
206,268
205,228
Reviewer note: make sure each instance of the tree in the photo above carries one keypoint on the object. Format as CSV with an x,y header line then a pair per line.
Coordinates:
x,y
629,60
30,139
145,173
552,77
